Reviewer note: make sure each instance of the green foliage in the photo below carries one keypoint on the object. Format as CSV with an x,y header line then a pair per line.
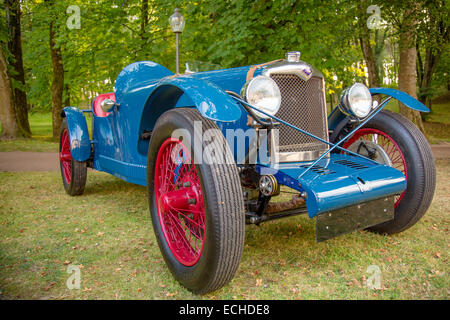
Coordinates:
x,y
229,33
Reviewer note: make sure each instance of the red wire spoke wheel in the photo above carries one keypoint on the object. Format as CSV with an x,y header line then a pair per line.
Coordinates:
x,y
389,146
73,173
197,207
181,209
392,139
65,157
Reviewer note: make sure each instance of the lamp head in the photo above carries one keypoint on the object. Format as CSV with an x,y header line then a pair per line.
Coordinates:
x,y
177,21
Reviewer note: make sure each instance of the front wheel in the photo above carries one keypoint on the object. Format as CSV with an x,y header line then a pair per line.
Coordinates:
x,y
393,140
196,205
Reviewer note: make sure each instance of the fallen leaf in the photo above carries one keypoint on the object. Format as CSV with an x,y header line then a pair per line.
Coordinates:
x,y
169,294
258,282
50,285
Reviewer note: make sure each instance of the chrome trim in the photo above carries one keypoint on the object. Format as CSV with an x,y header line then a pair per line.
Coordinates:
x,y
299,156
280,157
293,56
301,69
305,72
326,112
107,105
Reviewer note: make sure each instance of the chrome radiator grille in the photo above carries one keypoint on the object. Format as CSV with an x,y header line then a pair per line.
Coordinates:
x,y
302,105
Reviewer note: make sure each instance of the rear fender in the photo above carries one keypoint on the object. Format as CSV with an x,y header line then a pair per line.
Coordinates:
x,y
80,144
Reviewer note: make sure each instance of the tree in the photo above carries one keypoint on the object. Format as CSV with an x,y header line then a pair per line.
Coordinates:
x,y
407,80
403,19
366,47
57,82
433,40
10,129
16,70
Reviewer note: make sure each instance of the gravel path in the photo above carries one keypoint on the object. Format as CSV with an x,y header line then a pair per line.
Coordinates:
x,y
48,161
29,161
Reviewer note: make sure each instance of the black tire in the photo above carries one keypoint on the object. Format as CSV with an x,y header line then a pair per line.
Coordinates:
x,y
421,171
78,170
223,207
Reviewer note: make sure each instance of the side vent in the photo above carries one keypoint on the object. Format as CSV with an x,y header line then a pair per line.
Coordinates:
x,y
319,169
351,164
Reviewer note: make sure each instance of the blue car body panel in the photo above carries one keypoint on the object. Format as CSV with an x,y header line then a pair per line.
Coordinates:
x,y
339,181
401,96
145,90
216,105
80,144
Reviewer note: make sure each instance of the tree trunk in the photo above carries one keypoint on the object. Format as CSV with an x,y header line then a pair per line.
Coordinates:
x,y
57,83
407,76
144,17
10,129
66,95
15,48
431,61
366,48
371,63
144,24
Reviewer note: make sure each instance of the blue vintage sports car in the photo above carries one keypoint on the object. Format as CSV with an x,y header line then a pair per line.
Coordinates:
x,y
214,147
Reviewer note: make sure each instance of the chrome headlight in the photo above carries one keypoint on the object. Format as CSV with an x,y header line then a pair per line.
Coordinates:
x,y
263,93
356,101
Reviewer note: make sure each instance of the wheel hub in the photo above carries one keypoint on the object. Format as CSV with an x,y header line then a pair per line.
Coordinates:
x,y
372,151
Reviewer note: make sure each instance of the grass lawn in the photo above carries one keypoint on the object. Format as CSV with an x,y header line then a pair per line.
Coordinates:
x,y
108,233
42,141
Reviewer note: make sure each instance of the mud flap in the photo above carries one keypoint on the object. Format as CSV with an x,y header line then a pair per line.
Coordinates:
x,y
335,223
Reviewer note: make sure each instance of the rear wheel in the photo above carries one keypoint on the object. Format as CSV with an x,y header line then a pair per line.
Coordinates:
x,y
197,209
73,172
393,140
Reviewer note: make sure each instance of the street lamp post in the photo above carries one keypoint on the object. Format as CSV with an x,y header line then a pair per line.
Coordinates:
x,y
177,23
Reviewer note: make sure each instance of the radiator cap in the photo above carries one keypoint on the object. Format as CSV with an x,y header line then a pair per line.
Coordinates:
x,y
293,56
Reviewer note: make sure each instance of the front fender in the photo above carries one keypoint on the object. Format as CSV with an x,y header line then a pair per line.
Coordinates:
x,y
337,120
401,96
80,144
210,100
